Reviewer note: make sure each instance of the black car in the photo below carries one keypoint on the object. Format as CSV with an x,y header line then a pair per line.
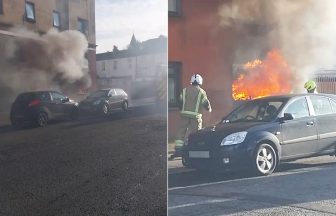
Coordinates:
x,y
105,101
40,106
261,133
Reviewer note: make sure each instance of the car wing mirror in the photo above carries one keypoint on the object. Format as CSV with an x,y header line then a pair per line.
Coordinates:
x,y
287,117
65,100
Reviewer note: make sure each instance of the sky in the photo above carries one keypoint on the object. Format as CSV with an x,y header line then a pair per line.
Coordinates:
x,y
117,20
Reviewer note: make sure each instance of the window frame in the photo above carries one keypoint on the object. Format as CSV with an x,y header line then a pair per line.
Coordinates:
x,y
177,77
178,11
33,20
1,7
290,102
59,19
81,21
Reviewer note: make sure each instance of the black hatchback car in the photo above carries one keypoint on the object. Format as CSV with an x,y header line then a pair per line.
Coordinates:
x,y
261,133
40,106
105,101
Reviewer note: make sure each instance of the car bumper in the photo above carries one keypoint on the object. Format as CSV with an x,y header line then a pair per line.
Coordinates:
x,y
227,158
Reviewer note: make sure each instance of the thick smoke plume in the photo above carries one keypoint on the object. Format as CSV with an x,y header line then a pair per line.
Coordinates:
x,y
304,32
55,60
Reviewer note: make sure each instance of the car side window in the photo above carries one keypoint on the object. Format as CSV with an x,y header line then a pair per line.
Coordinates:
x,y
111,93
120,92
57,96
45,96
298,108
321,105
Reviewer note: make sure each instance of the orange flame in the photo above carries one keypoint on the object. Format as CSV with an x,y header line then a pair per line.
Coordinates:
x,y
263,78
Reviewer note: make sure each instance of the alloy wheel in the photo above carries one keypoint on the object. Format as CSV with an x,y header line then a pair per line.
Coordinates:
x,y
265,159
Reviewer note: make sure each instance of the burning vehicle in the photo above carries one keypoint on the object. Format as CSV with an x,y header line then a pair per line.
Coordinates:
x,y
105,101
38,107
263,132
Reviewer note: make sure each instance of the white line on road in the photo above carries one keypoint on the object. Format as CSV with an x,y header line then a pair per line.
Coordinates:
x,y
201,203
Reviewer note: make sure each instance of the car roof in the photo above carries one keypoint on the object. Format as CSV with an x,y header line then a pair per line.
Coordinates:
x,y
39,91
288,96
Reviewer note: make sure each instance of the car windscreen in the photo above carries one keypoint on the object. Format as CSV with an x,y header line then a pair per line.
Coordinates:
x,y
264,110
101,93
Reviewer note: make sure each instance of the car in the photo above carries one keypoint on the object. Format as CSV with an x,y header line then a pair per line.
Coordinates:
x,y
39,107
261,133
105,101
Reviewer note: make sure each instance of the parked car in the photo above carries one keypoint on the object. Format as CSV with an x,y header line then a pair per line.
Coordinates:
x,y
40,106
105,101
261,133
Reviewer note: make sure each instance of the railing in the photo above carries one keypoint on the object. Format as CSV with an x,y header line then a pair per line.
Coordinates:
x,y
326,82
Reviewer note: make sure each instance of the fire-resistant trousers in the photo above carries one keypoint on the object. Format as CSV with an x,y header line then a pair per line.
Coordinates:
x,y
187,126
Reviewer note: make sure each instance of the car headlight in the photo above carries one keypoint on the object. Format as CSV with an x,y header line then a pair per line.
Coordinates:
x,y
234,138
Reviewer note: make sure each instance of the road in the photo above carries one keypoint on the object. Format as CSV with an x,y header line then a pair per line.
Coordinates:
x,y
92,166
303,187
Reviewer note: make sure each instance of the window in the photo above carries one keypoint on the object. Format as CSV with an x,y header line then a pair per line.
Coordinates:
x,y
1,7
115,65
56,19
120,92
45,96
83,26
298,108
321,105
57,96
103,66
111,93
174,77
30,11
174,7
333,105
130,63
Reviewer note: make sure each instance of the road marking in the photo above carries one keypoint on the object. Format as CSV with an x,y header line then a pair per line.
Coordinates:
x,y
295,171
201,203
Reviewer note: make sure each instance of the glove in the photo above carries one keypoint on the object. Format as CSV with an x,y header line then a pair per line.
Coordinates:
x,y
210,110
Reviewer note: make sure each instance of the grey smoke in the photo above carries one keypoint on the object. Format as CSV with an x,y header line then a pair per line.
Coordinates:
x,y
55,60
304,31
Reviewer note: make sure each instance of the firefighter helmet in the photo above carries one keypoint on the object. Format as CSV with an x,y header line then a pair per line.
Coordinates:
x,y
310,85
196,79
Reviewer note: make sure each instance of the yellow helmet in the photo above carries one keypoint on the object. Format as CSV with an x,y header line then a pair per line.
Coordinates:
x,y
310,85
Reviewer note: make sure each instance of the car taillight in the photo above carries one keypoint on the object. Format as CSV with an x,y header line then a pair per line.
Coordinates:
x,y
34,102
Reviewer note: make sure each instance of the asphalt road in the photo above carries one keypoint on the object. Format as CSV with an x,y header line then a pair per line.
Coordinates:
x,y
92,166
303,187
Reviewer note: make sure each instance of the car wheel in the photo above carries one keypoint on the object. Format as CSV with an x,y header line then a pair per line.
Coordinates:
x,y
265,159
105,109
42,119
125,106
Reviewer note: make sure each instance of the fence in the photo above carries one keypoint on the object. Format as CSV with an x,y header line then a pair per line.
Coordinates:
x,y
326,82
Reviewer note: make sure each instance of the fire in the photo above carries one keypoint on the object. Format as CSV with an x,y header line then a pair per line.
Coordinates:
x,y
271,76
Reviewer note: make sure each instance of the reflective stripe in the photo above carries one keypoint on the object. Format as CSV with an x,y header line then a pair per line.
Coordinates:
x,y
183,98
179,142
198,101
204,99
191,114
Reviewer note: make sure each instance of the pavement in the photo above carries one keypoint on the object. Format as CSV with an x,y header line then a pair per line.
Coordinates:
x,y
302,187
92,166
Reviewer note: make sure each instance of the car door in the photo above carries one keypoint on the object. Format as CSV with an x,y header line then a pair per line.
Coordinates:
x,y
326,118
113,99
61,107
299,135
120,97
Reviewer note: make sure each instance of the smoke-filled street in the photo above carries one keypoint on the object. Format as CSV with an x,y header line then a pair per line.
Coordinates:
x,y
91,166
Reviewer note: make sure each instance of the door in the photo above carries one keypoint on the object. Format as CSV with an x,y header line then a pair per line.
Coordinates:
x,y
112,99
120,97
60,106
325,111
299,136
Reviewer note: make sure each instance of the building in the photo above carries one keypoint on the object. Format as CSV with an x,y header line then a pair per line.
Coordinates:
x,y
197,44
133,69
42,15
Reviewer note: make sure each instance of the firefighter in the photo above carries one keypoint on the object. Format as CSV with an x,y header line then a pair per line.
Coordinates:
x,y
310,86
193,99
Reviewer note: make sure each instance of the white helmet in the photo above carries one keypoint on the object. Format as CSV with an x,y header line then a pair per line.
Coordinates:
x,y
196,79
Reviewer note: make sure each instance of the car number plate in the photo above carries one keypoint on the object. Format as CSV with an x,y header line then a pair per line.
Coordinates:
x,y
199,154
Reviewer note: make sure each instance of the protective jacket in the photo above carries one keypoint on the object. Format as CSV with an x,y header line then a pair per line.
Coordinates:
x,y
194,98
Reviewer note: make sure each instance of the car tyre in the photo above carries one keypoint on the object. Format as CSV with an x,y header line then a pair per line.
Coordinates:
x,y
125,106
42,119
265,159
105,109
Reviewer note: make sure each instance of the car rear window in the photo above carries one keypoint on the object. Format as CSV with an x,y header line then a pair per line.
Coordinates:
x,y
24,97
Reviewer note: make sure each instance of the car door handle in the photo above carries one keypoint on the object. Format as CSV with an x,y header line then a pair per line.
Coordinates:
x,y
310,123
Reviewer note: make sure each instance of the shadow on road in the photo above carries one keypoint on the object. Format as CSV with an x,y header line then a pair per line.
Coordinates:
x,y
182,179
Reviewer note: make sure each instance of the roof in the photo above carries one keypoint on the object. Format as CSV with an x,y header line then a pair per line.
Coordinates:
x,y
151,46
287,96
